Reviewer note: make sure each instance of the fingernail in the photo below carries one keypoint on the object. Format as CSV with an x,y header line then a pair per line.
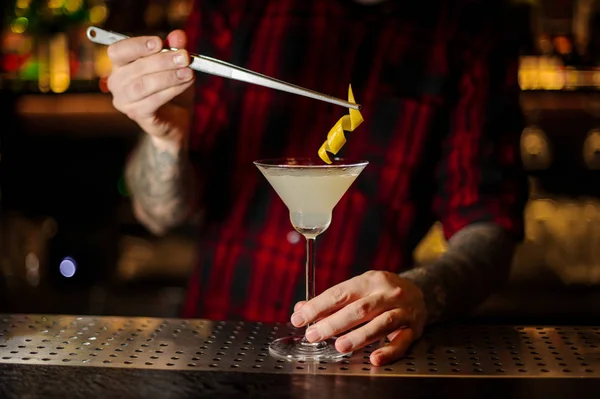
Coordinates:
x,y
297,319
312,335
184,73
151,44
343,345
180,59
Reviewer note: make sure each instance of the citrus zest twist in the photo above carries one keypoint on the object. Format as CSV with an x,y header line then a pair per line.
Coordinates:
x,y
336,138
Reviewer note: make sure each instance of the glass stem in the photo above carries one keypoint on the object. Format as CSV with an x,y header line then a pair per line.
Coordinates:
x,y
310,276
310,268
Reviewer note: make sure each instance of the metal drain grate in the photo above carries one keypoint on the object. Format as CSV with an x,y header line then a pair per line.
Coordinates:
x,y
465,351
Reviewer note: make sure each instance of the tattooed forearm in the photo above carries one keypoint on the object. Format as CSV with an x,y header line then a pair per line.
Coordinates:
x,y
477,261
161,183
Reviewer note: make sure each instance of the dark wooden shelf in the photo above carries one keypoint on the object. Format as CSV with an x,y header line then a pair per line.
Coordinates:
x,y
79,114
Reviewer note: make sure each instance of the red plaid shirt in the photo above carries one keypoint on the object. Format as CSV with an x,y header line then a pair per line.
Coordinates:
x,y
438,85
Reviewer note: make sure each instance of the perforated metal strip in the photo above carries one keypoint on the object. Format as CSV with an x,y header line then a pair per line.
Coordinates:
x,y
459,351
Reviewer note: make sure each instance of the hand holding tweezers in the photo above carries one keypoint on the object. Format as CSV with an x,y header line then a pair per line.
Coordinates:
x,y
220,68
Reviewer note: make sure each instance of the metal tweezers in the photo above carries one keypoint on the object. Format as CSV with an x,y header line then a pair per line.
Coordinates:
x,y
221,68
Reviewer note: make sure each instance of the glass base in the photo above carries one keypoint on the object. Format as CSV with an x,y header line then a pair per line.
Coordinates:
x,y
295,348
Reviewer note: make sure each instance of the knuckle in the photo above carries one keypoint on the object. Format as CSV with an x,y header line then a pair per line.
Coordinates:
x,y
135,47
173,80
396,292
389,279
388,276
148,65
156,62
128,110
362,310
362,337
377,277
137,88
340,296
131,112
387,320
308,310
166,60
370,274
326,327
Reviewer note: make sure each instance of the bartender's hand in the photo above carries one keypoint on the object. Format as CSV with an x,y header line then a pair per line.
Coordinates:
x,y
151,87
390,306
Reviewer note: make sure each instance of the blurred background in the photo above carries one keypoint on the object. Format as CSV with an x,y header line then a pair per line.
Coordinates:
x,y
68,239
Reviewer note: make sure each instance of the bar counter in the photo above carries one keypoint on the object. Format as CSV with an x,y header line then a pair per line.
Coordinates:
x,y
70,356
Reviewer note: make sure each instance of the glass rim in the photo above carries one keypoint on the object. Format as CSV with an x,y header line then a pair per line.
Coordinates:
x,y
308,163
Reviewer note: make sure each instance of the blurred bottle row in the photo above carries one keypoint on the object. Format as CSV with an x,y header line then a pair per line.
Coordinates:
x,y
44,47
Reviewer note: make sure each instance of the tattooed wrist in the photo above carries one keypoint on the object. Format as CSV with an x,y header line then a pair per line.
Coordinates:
x,y
160,180
433,293
476,262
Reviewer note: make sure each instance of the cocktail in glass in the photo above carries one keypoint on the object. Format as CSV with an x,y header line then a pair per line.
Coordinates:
x,y
310,189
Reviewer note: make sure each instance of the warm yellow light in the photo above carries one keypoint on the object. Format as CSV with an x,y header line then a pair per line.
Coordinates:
x,y
98,14
179,10
527,79
22,3
102,64
19,25
528,73
59,64
552,79
73,5
55,3
432,246
59,82
550,75
596,79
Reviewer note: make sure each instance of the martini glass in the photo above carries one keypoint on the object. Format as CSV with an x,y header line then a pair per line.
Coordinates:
x,y
310,189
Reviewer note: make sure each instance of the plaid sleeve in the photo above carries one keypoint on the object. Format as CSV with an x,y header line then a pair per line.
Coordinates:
x,y
480,177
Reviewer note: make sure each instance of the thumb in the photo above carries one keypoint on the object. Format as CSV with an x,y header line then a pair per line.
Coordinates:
x,y
177,39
